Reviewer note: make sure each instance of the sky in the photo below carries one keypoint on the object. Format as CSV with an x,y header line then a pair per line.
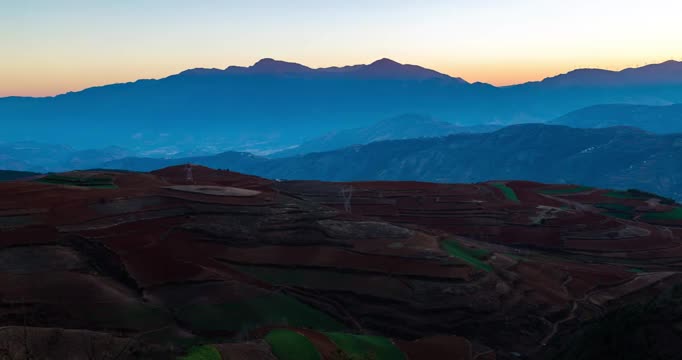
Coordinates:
x,y
48,47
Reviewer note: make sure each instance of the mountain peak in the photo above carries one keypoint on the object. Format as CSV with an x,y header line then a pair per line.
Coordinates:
x,y
385,62
267,62
270,66
387,68
264,61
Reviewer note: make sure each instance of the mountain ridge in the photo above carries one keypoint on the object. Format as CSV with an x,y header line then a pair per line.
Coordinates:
x,y
236,69
382,68
405,126
632,75
624,157
658,119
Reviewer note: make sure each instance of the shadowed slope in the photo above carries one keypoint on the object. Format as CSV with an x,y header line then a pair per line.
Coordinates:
x,y
461,266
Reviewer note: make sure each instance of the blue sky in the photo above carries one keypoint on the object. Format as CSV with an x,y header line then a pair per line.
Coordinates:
x,y
50,47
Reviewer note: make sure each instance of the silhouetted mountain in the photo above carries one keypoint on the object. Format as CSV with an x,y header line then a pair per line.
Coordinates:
x,y
669,72
658,119
270,66
408,126
278,104
617,157
383,68
389,69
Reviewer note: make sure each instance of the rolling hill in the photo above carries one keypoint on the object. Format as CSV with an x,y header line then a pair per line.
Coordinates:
x,y
617,157
232,266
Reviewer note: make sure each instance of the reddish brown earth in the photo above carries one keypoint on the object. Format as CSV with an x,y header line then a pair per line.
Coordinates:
x,y
163,265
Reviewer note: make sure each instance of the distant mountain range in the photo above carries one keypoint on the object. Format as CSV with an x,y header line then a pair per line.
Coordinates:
x,y
658,119
53,157
654,74
274,105
40,157
617,157
408,126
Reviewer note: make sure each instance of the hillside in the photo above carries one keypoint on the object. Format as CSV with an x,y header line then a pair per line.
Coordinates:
x,y
253,269
408,126
41,157
618,158
657,119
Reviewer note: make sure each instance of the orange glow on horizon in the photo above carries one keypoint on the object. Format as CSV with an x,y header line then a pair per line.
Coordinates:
x,y
52,81
51,47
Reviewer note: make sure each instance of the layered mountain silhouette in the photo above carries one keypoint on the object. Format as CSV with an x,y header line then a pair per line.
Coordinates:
x,y
383,68
406,126
616,157
44,157
279,104
658,119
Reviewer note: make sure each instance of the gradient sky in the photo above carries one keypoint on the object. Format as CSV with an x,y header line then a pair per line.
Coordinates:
x,y
49,47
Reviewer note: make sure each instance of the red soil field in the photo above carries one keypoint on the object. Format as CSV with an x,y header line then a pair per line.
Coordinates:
x,y
124,261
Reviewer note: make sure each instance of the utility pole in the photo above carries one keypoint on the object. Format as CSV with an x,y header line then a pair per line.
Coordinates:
x,y
347,194
188,174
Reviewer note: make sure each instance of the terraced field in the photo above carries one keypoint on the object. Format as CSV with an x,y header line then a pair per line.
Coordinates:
x,y
147,266
79,180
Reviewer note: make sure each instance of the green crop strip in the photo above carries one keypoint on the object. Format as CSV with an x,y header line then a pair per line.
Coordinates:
x,y
668,215
624,195
569,190
618,210
639,195
290,345
616,207
274,309
507,191
93,183
205,352
474,257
